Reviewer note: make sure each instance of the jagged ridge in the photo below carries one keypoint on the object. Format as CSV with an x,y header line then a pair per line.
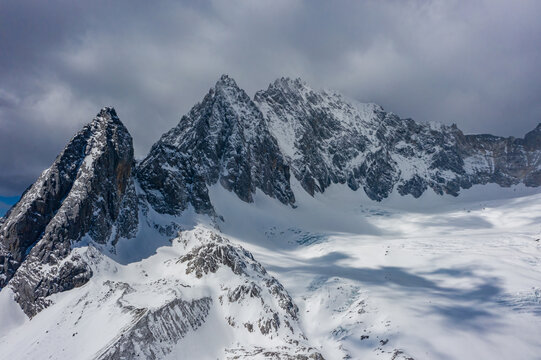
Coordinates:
x,y
321,138
329,139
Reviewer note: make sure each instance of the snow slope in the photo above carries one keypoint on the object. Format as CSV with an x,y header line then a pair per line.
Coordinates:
x,y
201,297
441,278
455,278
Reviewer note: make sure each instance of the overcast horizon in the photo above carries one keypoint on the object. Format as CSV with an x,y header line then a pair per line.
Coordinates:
x,y
475,64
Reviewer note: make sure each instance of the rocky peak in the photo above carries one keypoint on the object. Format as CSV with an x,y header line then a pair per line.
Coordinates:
x,y
319,131
86,193
287,85
227,92
107,113
225,82
222,139
532,139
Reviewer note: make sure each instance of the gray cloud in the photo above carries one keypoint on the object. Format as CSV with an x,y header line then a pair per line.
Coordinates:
x,y
471,63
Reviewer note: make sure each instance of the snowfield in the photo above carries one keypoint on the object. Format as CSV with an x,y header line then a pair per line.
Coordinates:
x,y
431,278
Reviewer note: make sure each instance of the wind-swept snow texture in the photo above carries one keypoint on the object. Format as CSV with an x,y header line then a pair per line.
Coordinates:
x,y
294,225
404,279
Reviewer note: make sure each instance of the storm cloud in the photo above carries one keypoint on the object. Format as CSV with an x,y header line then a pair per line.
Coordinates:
x,y
473,63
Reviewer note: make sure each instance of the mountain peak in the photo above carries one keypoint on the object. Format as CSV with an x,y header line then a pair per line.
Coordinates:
x,y
227,91
86,194
222,139
289,84
226,81
108,112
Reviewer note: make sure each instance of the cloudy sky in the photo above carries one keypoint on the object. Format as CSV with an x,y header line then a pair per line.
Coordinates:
x,y
474,63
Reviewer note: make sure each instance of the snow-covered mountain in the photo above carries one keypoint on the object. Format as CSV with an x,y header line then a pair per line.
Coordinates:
x,y
88,193
223,139
320,138
328,139
155,252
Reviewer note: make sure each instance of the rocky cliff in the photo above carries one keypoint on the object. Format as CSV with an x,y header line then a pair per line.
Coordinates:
x,y
87,195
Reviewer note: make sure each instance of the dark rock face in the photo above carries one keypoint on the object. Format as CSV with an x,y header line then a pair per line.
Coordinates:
x,y
210,257
505,161
223,139
84,195
312,133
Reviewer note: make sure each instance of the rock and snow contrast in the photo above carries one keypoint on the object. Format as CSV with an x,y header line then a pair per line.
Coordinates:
x,y
296,224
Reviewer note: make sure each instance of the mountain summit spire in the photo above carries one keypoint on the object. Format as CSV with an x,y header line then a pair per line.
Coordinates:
x,y
84,193
226,81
